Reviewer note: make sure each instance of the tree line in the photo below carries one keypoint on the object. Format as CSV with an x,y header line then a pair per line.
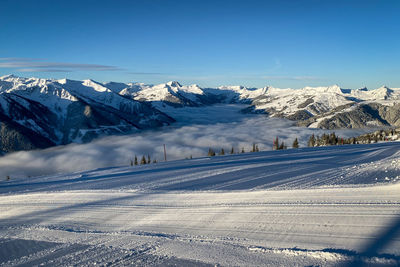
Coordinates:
x,y
368,138
326,139
143,160
212,153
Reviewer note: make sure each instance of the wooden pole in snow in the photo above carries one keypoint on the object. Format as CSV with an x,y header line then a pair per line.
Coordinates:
x,y
165,154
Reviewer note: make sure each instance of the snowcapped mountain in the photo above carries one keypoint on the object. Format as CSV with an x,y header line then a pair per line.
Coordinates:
x,y
318,107
332,107
37,113
172,92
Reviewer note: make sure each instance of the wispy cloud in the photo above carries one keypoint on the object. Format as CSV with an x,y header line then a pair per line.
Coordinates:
x,y
43,70
39,65
19,59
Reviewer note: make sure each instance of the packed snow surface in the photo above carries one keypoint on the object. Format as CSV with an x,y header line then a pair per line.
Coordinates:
x,y
314,206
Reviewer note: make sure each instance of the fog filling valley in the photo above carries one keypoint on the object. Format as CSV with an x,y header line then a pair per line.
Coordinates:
x,y
196,130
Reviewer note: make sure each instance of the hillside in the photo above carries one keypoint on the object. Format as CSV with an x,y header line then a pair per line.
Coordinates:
x,y
314,206
40,113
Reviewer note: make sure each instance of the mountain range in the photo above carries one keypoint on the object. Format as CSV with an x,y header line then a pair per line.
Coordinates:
x,y
39,113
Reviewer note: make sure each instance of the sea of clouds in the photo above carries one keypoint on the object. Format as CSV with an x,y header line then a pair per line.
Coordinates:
x,y
197,130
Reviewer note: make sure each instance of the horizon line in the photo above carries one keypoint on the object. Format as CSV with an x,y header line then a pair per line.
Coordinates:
x,y
217,87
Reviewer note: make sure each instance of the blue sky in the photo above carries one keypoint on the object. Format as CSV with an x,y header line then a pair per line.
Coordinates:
x,y
252,43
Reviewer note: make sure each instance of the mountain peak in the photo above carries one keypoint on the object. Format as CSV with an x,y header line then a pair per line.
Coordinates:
x,y
99,87
90,81
9,76
62,81
334,87
174,84
329,89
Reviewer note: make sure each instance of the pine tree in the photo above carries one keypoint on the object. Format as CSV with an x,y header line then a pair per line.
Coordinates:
x,y
257,150
148,159
383,135
311,141
276,144
324,139
254,148
136,161
222,152
295,143
154,161
211,152
143,161
282,146
232,151
131,162
333,139
242,150
318,141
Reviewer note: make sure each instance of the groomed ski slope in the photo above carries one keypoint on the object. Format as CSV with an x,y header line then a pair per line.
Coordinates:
x,y
325,206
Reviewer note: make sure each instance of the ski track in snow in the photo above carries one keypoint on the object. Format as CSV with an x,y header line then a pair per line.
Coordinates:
x,y
324,206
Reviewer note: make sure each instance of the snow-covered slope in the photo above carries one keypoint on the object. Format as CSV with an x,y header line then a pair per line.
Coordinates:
x,y
328,206
275,101
318,107
315,100
172,92
41,112
36,113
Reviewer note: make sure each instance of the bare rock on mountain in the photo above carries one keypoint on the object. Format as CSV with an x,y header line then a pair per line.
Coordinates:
x,y
43,112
